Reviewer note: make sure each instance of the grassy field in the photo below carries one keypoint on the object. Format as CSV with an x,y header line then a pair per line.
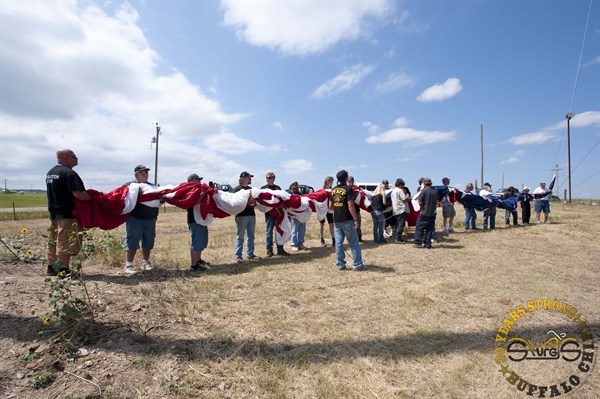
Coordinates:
x,y
25,200
419,324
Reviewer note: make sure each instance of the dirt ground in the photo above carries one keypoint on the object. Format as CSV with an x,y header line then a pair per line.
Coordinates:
x,y
419,324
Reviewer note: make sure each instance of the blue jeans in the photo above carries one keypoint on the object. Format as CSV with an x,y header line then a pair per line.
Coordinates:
x,y
245,224
346,229
378,226
470,218
298,232
271,221
507,215
425,225
139,230
399,227
489,214
199,236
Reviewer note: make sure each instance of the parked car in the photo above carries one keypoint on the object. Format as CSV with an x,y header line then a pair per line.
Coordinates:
x,y
368,186
304,189
222,187
502,192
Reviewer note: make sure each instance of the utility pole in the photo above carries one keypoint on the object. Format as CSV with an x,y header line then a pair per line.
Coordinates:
x,y
481,145
555,170
155,141
569,116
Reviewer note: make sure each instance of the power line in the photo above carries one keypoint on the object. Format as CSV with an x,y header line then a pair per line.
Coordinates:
x,y
587,178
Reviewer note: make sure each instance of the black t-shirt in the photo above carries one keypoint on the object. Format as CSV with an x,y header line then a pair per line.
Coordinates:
x,y
271,187
377,203
339,197
429,197
61,181
249,211
190,216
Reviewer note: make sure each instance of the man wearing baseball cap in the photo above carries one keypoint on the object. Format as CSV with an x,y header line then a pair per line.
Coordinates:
x,y
246,223
140,226
542,202
448,211
428,199
198,233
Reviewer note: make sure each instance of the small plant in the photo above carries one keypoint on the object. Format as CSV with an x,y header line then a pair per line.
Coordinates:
x,y
21,249
71,316
42,380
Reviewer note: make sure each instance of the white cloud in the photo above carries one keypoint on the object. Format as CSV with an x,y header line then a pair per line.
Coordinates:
x,y
584,119
412,137
303,27
371,127
344,81
395,81
513,158
533,138
295,166
593,61
401,122
75,76
405,22
277,125
229,143
440,92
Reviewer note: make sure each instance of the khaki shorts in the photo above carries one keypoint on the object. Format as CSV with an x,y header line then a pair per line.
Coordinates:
x,y
63,237
448,211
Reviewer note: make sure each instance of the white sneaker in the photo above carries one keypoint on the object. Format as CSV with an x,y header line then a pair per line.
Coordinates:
x,y
386,234
293,248
129,269
147,265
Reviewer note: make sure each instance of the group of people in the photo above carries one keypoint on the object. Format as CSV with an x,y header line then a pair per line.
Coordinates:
x,y
388,208
63,185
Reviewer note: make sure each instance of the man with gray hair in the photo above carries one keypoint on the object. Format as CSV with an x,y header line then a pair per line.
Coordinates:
x,y
470,213
63,185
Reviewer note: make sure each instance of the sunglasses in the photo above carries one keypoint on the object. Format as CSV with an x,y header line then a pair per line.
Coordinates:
x,y
270,177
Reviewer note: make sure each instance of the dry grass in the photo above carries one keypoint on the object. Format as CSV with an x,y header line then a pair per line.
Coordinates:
x,y
419,324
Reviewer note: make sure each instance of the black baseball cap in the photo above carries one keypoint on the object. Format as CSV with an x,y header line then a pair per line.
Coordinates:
x,y
245,174
194,177
140,168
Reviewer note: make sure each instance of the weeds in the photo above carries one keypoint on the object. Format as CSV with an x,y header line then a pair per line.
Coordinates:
x,y
42,380
21,249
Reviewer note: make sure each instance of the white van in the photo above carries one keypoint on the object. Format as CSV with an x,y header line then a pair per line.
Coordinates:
x,y
368,186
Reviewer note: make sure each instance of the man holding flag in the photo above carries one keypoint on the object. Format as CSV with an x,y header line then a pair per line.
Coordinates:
x,y
542,201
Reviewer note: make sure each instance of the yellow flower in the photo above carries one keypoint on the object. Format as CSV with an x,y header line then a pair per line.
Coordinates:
x,y
47,320
29,252
24,230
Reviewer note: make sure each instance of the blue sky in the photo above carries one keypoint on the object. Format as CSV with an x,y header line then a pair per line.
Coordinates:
x,y
303,88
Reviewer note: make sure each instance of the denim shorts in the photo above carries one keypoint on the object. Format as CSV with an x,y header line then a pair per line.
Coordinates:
x,y
542,206
139,230
199,235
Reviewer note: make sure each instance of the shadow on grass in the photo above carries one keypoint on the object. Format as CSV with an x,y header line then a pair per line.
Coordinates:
x,y
296,259
224,346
